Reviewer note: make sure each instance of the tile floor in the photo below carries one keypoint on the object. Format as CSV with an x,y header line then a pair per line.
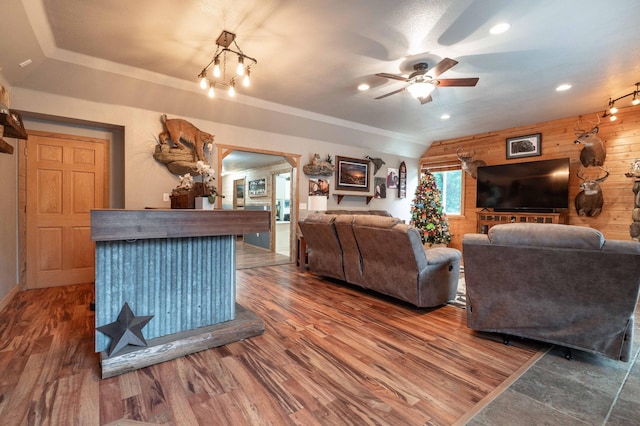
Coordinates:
x,y
588,390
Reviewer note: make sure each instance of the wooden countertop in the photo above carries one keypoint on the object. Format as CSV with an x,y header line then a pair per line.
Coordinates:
x,y
121,224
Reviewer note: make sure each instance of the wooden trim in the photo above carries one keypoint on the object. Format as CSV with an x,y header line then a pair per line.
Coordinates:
x,y
119,224
9,297
165,348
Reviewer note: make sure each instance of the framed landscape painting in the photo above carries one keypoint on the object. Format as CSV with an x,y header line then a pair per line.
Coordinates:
x,y
352,174
258,187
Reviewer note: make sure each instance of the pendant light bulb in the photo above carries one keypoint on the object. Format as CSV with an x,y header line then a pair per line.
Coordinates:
x,y
636,100
240,68
216,68
232,89
613,118
613,109
212,93
203,82
246,82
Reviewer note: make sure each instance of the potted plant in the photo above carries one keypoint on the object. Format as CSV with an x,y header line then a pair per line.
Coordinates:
x,y
200,195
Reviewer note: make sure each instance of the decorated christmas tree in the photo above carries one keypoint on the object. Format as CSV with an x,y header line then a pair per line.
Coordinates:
x,y
427,213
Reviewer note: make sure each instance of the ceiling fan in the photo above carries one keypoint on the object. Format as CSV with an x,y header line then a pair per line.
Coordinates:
x,y
422,81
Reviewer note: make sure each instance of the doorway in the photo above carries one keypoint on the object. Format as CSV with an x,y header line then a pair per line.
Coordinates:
x,y
282,212
238,166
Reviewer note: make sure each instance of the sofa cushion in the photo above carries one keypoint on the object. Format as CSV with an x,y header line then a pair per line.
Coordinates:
x,y
376,221
354,212
351,259
546,235
325,252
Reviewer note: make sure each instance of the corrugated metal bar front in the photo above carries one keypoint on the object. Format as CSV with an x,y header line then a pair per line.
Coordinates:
x,y
185,283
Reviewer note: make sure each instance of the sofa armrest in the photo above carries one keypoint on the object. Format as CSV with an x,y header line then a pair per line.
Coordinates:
x,y
476,239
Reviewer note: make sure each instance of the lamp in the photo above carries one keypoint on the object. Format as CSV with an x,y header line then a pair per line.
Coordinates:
x,y
220,76
317,203
612,103
421,89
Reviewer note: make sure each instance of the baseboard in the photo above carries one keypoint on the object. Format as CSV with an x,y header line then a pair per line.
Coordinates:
x,y
8,298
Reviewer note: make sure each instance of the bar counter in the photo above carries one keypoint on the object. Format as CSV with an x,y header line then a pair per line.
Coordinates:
x,y
178,266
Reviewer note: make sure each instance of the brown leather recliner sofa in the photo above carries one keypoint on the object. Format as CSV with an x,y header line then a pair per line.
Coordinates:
x,y
560,284
383,254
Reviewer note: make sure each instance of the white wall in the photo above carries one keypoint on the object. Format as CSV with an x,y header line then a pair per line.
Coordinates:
x,y
8,217
145,180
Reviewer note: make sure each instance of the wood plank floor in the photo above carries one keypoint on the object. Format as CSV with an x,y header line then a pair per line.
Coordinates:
x,y
248,256
330,355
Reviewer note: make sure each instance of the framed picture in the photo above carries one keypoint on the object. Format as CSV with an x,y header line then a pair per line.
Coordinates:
x,y
380,185
392,178
258,187
319,187
239,192
352,174
524,146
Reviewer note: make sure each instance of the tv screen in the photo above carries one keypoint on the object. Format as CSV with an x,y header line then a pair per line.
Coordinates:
x,y
537,186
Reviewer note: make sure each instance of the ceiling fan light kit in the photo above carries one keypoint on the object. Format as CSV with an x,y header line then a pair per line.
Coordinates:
x,y
421,89
219,75
422,81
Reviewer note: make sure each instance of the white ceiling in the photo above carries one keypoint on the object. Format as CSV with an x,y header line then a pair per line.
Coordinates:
x,y
313,54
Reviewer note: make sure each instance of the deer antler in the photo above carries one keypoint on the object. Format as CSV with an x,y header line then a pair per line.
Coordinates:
x,y
465,156
602,179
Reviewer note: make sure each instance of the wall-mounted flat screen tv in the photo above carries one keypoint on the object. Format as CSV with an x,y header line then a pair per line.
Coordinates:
x,y
536,186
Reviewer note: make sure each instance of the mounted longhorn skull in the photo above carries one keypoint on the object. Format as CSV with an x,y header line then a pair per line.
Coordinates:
x,y
594,151
589,201
469,166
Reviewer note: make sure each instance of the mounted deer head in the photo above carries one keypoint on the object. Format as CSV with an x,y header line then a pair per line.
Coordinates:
x,y
594,151
589,201
468,165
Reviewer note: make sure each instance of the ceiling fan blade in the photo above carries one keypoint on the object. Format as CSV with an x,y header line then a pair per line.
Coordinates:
x,y
392,76
458,82
441,67
390,93
425,99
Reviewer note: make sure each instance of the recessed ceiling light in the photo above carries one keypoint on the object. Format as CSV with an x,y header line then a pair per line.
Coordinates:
x,y
445,117
563,87
500,28
363,87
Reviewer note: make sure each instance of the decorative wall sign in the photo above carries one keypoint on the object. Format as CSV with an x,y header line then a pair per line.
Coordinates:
x,y
524,146
352,174
402,181
258,187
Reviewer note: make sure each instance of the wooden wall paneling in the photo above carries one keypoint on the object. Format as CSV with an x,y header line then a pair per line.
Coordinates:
x,y
622,140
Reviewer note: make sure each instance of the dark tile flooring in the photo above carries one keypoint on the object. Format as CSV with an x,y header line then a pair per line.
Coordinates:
x,y
588,390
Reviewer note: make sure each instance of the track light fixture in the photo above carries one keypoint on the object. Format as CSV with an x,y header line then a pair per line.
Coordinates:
x,y
612,110
220,76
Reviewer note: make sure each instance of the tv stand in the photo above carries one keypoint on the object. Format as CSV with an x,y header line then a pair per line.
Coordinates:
x,y
485,220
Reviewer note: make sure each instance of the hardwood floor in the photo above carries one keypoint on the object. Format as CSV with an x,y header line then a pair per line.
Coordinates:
x,y
248,256
331,354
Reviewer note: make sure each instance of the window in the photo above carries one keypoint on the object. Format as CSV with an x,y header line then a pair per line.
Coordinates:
x,y
450,184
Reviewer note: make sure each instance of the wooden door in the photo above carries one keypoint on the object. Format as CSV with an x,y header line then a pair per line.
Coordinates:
x,y
66,178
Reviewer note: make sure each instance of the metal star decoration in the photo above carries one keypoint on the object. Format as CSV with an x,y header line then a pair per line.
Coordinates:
x,y
126,330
